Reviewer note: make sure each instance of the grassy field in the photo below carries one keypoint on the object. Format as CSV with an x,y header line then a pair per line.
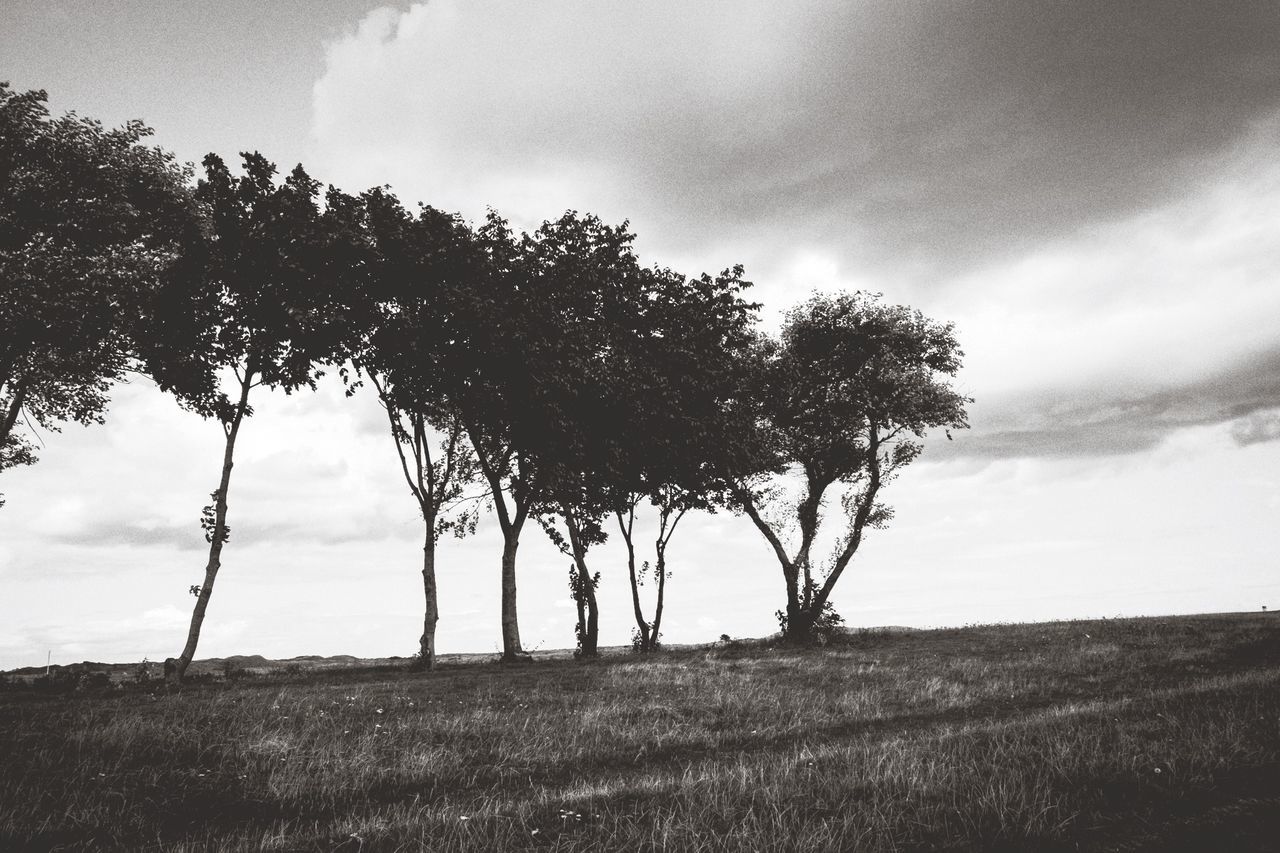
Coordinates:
x,y
1151,734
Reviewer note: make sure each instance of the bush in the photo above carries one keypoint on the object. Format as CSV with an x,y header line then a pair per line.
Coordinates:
x,y
827,627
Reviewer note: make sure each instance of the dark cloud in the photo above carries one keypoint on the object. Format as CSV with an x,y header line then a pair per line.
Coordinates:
x,y
950,131
1104,423
924,133
111,533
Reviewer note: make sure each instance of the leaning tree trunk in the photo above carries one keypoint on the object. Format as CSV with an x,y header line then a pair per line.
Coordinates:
x,y
427,645
655,635
11,416
218,537
642,626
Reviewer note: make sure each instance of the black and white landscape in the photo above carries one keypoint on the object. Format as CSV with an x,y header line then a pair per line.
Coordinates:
x,y
515,424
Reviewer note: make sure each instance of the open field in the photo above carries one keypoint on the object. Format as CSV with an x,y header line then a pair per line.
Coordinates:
x,y
1159,734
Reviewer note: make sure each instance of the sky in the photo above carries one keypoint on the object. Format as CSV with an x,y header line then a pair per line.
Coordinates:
x,y
1090,191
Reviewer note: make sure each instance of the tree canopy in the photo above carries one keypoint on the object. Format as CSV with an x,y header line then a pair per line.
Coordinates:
x,y
269,300
842,398
577,383
91,221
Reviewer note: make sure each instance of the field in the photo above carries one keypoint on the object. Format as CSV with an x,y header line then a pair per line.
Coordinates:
x,y
1145,734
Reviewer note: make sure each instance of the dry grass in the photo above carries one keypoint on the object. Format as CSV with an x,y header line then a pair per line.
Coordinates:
x,y
1129,734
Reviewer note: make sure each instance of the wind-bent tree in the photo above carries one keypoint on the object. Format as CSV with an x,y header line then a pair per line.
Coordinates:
x,y
842,400
90,221
680,376
592,296
415,264
266,306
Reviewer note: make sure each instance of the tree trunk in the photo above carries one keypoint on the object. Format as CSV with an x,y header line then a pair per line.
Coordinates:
x,y
589,639
641,625
11,416
511,648
511,525
662,590
580,604
427,645
790,572
218,537
875,480
807,514
799,626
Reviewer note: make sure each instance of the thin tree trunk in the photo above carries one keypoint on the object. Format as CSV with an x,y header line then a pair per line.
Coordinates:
x,y
427,646
422,484
662,590
580,604
179,668
875,480
807,515
589,641
789,569
641,625
666,529
511,525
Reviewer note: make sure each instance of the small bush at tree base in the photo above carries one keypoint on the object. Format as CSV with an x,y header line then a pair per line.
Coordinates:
x,y
827,627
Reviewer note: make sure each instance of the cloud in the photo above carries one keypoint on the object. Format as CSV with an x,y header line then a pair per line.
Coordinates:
x,y
118,533
922,135
1257,427
1105,423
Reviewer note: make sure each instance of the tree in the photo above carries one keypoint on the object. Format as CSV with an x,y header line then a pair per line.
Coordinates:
x,y
592,295
265,304
680,376
471,366
413,266
635,410
672,503
521,366
91,220
842,400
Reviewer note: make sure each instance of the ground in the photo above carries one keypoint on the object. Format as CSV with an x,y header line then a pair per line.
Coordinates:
x,y
1145,734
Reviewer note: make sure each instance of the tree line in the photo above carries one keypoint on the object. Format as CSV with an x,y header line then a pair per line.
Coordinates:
x,y
548,376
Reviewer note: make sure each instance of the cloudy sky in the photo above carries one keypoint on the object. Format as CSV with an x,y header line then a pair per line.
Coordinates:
x,y
1090,190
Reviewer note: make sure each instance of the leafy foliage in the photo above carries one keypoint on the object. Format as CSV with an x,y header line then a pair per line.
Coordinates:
x,y
266,299
209,522
91,223
843,398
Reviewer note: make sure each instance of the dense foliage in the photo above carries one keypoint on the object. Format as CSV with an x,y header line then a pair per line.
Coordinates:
x,y
550,374
91,223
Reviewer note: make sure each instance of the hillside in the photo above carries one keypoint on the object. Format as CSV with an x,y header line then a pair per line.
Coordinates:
x,y
1160,734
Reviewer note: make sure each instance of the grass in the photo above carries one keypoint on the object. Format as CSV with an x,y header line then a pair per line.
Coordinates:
x,y
1151,734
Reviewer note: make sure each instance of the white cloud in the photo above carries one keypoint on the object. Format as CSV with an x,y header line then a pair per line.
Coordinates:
x,y
1092,258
